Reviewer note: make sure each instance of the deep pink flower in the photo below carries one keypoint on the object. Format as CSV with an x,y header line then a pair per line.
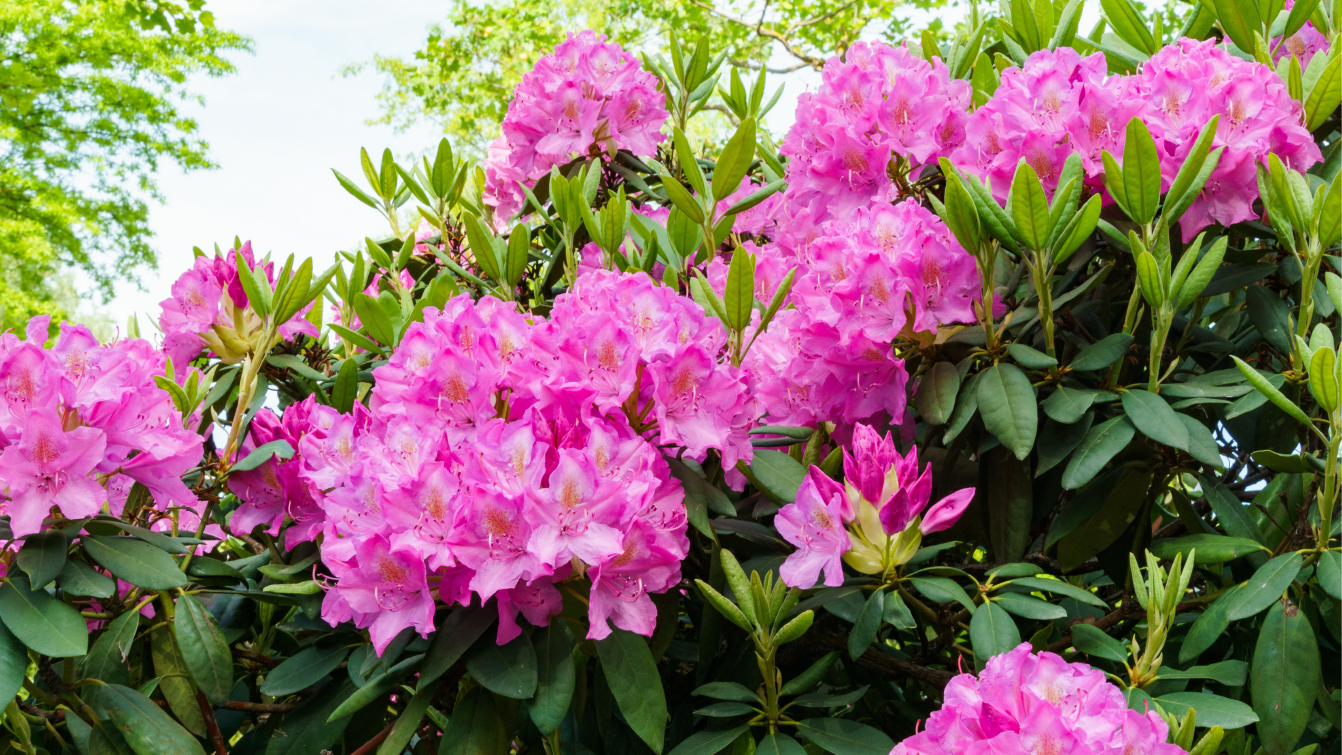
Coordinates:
x,y
49,467
815,525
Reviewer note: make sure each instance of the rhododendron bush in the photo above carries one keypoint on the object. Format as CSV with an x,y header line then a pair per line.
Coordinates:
x,y
992,408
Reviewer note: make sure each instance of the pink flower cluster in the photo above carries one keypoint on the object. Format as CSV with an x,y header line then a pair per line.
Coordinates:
x,y
883,494
859,283
1057,104
1304,44
209,307
1060,103
876,104
1190,82
80,423
588,97
501,457
1023,702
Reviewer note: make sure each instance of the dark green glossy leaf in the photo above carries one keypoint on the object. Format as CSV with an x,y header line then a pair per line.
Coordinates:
x,y
138,563
778,743
1271,316
1212,710
78,578
306,730
1330,573
992,632
462,627
555,676
407,723
631,672
1211,549
144,726
1067,405
779,473
843,737
203,648
1059,587
1229,673
1006,401
1102,353
709,742
1209,626
274,449
1154,417
1265,587
937,392
1030,359
508,670
1030,608
303,670
475,727
1102,443
1284,679
378,686
40,621
1058,440
175,680
942,590
726,691
1092,640
43,556
868,623
13,664
725,710
897,612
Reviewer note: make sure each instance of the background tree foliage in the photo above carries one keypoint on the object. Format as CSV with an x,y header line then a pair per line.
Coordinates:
x,y
91,97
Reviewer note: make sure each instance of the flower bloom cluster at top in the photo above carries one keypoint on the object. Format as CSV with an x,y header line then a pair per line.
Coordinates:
x,y
1037,703
209,308
1061,102
81,423
502,456
588,96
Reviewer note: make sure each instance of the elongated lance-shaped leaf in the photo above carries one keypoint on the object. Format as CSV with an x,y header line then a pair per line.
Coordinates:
x,y
257,290
1141,171
1029,207
1184,180
739,297
1261,384
734,161
689,166
994,218
1113,182
961,216
1078,230
682,199
1148,278
1185,266
483,245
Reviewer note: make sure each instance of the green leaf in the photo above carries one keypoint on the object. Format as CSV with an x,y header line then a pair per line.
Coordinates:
x,y
709,742
778,743
1261,384
508,670
556,676
1209,627
1102,353
631,672
1211,549
738,299
1154,417
258,291
1323,97
1322,380
1120,510
1128,23
407,723
345,391
937,391
897,613
726,691
1330,573
378,686
306,730
1067,405
1081,226
682,199
1239,19
1271,316
867,625
1141,163
1148,279
144,726
1092,640
1102,443
43,556
303,670
942,590
756,197
1030,608
13,664
1030,359
262,454
1029,207
138,563
175,681
483,246
966,406
374,319
475,728
734,160
1185,185
1229,673
1059,440
1059,587
960,214
1265,587
40,621
725,710
1202,274
843,737
205,567
1006,401
106,661
808,679
779,473
689,166
203,648
1212,710
992,632
1284,679
1201,444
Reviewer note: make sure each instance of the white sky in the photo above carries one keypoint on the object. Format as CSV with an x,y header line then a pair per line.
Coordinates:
x,y
275,129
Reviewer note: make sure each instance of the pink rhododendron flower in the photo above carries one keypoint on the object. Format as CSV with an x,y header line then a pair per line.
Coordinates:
x,y
588,97
814,523
1057,104
1192,81
876,106
80,423
1028,703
